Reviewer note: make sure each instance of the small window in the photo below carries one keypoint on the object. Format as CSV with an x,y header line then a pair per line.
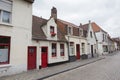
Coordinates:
x,y
91,34
54,54
83,47
31,50
51,29
103,37
6,17
62,49
69,30
81,32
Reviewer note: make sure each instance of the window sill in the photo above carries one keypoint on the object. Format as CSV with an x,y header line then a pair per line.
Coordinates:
x,y
6,24
5,66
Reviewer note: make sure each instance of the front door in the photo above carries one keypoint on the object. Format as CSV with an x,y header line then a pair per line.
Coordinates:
x,y
78,51
31,57
44,57
92,50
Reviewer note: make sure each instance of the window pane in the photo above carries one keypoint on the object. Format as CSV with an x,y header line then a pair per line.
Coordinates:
x,y
6,17
4,40
4,54
62,49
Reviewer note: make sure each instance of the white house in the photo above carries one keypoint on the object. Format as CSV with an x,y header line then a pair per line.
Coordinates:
x,y
74,35
102,37
50,43
15,35
91,39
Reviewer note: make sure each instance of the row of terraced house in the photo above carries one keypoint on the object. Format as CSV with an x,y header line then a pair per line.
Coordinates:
x,y
29,42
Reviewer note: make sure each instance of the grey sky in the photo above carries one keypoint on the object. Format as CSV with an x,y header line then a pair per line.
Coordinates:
x,y
105,13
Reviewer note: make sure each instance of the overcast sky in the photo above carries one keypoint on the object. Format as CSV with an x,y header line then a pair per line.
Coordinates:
x,y
106,13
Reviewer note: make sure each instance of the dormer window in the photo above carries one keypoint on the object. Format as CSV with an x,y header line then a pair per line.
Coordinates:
x,y
69,30
80,32
52,31
91,34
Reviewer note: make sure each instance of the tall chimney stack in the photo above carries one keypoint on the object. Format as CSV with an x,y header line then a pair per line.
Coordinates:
x,y
54,13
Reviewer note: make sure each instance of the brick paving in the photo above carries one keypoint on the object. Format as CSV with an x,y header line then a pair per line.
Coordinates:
x,y
50,71
106,69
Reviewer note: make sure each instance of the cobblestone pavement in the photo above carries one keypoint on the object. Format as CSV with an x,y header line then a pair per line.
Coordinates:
x,y
43,73
106,69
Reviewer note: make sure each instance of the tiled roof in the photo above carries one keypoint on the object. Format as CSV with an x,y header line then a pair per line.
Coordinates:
x,y
97,28
37,32
67,23
64,25
85,29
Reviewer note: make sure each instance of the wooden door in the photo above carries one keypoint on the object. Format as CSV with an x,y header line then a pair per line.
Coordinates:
x,y
44,57
31,57
78,51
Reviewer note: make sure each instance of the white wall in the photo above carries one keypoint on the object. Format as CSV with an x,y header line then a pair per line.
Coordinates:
x,y
51,59
91,41
20,33
46,29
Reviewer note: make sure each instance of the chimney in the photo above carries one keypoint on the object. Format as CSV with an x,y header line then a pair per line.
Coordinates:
x,y
89,21
54,13
80,24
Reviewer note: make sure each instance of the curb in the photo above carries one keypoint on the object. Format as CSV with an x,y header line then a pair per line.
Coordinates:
x,y
70,69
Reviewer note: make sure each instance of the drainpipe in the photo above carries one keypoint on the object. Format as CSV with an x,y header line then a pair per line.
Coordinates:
x,y
68,48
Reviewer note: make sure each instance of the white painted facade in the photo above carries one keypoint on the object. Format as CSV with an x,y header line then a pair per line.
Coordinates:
x,y
20,32
101,41
51,59
91,41
48,43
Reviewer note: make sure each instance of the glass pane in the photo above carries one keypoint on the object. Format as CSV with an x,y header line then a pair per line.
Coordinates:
x,y
3,54
4,40
6,17
44,50
31,50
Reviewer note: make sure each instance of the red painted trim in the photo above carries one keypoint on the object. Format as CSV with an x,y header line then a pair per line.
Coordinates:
x,y
28,55
7,44
55,49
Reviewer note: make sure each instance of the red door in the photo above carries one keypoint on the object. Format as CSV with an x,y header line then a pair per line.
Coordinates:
x,y
78,51
31,58
44,57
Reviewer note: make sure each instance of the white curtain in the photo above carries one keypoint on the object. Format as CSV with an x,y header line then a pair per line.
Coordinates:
x,y
3,55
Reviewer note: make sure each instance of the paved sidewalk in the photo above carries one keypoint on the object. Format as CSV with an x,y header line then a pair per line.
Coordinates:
x,y
50,71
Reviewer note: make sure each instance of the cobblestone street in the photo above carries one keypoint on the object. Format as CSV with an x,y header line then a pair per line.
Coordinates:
x,y
106,69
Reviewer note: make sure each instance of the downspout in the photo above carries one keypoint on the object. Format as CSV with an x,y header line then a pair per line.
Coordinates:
x,y
68,48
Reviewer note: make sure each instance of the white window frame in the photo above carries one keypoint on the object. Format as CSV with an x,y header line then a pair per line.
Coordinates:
x,y
1,14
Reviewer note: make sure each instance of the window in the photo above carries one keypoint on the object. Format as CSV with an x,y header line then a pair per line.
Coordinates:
x,y
69,30
62,49
81,32
4,49
52,31
103,37
5,11
54,54
83,47
91,34
6,17
72,48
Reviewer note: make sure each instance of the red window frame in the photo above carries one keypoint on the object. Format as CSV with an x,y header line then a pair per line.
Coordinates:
x,y
62,47
54,46
6,44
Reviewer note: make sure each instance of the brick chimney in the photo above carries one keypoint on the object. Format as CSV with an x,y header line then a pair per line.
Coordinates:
x,y
54,13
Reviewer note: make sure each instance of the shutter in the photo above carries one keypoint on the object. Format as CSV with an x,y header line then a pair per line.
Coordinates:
x,y
6,5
